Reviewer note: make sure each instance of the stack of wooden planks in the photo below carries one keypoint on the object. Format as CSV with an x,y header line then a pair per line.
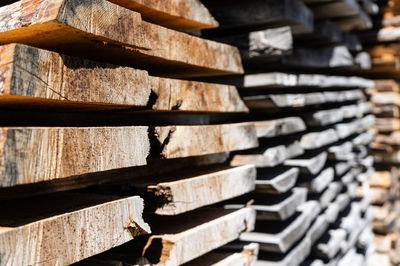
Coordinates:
x,y
186,132
106,146
313,124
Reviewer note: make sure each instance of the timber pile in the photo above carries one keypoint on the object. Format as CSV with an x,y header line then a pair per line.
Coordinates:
x,y
132,134
106,148
313,125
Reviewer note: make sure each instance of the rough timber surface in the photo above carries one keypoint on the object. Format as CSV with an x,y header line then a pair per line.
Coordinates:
x,y
38,79
78,28
64,228
205,229
193,188
184,141
30,155
175,14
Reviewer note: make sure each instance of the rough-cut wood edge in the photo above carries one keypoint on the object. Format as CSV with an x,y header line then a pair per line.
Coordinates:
x,y
282,241
191,193
309,165
279,184
185,141
73,236
31,155
69,27
175,14
279,127
208,236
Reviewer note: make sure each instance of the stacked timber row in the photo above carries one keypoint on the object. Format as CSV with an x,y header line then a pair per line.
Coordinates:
x,y
313,125
107,154
383,44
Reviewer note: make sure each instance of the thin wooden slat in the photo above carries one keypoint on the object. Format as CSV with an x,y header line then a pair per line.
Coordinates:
x,y
67,227
311,164
279,127
272,182
77,28
175,14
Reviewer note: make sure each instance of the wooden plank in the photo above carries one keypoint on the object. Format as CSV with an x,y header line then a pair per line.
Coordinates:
x,y
68,27
268,156
276,181
179,141
358,22
220,226
245,255
189,189
319,139
318,183
280,237
310,164
387,124
39,79
332,9
174,14
31,155
301,99
261,14
67,227
279,127
272,207
329,245
261,46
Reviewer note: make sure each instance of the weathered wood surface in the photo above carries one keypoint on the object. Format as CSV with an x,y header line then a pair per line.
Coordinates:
x,y
387,124
261,46
187,190
386,98
175,14
268,156
381,179
392,139
301,99
184,141
279,127
261,14
60,229
205,229
318,183
244,255
274,80
77,28
276,182
329,245
319,139
322,57
31,155
310,164
329,195
272,207
281,237
38,79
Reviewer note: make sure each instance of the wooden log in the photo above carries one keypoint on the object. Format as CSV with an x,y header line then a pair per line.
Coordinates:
x,y
67,27
268,156
279,127
272,207
65,228
31,155
276,182
316,140
244,255
176,14
189,189
222,226
311,164
281,237
39,79
261,14
178,141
